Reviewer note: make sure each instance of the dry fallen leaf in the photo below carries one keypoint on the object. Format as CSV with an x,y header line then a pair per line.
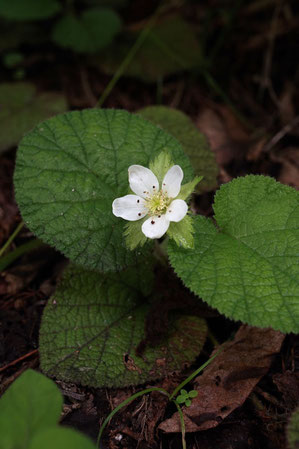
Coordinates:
x,y
229,379
288,384
212,125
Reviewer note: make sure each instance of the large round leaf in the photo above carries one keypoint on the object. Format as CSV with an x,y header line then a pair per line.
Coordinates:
x,y
93,324
247,267
69,170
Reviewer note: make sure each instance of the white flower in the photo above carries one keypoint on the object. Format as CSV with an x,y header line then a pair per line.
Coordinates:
x,y
152,201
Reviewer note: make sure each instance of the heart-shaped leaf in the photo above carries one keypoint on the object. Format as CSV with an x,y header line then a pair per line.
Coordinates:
x,y
93,30
193,142
69,170
93,324
21,108
247,267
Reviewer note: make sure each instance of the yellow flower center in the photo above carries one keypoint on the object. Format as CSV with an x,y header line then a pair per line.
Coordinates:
x,y
158,203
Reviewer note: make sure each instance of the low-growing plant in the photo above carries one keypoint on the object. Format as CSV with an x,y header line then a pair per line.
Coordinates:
x,y
103,186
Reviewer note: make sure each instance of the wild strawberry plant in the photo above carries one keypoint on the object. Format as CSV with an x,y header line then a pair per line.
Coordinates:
x,y
102,186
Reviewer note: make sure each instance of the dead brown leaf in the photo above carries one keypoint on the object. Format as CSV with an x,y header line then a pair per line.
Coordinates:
x,y
288,384
211,124
229,379
227,136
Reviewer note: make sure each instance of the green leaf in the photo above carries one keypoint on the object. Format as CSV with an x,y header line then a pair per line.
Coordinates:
x,y
28,9
188,189
31,403
92,31
160,165
293,430
192,394
69,170
247,267
181,399
193,142
182,232
133,234
22,108
60,438
93,324
170,47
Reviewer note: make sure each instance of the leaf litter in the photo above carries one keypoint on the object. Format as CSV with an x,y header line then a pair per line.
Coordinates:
x,y
229,379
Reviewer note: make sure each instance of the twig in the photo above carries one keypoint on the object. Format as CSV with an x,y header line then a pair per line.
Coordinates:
x,y
278,136
266,81
14,362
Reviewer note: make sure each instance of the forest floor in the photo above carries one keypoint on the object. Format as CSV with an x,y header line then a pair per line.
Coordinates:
x,y
259,135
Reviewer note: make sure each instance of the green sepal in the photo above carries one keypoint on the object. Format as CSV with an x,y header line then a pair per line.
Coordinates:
x,y
161,164
182,232
133,234
188,189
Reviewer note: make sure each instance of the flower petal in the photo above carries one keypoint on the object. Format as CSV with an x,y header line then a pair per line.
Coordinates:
x,y
177,210
142,181
129,207
171,184
155,227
